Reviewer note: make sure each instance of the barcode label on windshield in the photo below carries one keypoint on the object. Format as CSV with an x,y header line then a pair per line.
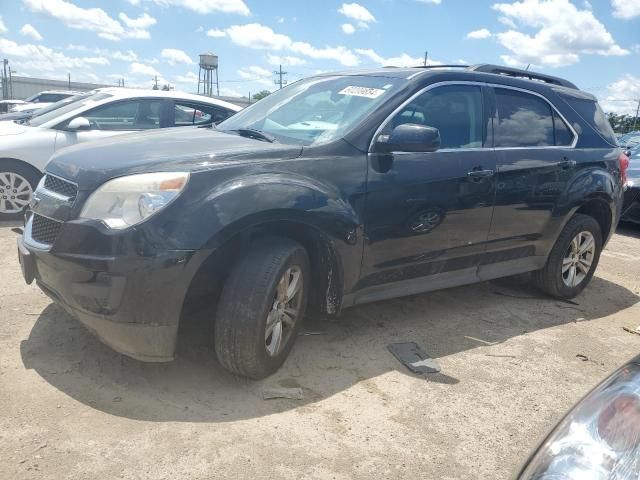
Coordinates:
x,y
366,92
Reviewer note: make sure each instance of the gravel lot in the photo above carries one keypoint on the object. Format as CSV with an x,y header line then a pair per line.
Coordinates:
x,y
72,408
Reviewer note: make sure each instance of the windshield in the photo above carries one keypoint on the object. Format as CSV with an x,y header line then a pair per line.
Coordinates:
x,y
84,100
316,110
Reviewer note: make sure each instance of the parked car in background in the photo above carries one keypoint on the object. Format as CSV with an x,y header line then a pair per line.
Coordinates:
x,y
40,110
630,139
42,99
599,438
337,190
26,147
631,207
6,105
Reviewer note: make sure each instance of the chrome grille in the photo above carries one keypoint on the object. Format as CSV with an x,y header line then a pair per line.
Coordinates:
x,y
44,230
60,186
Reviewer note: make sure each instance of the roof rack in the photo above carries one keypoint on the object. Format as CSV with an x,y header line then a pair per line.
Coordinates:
x,y
442,66
519,73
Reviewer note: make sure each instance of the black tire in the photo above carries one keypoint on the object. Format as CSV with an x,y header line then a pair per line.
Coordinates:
x,y
30,174
247,299
550,278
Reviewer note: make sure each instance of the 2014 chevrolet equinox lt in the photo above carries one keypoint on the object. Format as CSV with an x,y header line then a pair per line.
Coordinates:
x,y
337,190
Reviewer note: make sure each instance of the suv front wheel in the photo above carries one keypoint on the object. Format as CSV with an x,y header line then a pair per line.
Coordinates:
x,y
573,259
261,307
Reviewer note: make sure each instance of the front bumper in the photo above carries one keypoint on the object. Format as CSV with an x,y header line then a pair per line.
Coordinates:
x,y
631,205
130,302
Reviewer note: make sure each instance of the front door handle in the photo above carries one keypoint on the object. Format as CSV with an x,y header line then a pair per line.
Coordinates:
x,y
480,173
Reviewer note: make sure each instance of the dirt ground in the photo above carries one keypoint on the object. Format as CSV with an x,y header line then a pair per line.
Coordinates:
x,y
70,408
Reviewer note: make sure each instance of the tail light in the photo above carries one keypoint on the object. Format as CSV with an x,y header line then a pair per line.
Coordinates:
x,y
624,165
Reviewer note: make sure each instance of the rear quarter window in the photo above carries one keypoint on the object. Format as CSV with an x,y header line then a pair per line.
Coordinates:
x,y
591,113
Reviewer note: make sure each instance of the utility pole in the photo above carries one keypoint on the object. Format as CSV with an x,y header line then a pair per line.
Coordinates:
x,y
155,85
280,81
635,120
426,56
5,85
69,77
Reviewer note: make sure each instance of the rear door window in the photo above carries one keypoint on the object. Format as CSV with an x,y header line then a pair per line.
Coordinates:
x,y
524,120
194,113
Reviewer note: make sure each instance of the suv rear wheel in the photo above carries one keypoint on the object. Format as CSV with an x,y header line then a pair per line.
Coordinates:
x,y
573,259
261,307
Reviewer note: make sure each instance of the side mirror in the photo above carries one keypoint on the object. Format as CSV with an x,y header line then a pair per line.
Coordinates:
x,y
79,123
410,137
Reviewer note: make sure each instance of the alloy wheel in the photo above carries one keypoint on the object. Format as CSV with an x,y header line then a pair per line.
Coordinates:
x,y
15,192
578,260
285,311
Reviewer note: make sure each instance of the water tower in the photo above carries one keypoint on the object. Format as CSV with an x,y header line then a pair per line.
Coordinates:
x,y
208,65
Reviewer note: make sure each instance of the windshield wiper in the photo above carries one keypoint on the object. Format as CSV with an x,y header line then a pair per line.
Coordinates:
x,y
254,133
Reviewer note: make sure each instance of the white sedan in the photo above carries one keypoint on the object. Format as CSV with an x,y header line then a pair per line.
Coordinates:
x,y
41,100
25,147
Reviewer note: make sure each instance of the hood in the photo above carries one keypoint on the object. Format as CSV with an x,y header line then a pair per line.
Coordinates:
x,y
9,127
172,149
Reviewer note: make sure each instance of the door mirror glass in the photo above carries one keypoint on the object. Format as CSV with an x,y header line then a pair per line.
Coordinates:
x,y
410,137
79,123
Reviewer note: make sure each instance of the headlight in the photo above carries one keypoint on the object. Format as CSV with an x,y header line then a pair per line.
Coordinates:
x,y
599,439
126,201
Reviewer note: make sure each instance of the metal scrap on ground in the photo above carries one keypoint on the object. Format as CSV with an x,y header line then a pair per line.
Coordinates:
x,y
291,393
414,358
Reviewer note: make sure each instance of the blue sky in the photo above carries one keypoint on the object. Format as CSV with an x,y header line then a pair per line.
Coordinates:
x,y
594,44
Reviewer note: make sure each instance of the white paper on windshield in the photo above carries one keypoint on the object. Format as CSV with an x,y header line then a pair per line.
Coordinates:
x,y
366,92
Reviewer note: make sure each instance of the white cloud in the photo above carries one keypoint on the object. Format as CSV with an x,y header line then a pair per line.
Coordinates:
x,y
402,60
563,33
128,56
285,60
508,22
207,6
254,35
622,95
433,2
141,69
479,34
189,77
348,28
3,28
257,74
92,19
138,27
216,33
28,30
173,56
30,59
626,9
356,12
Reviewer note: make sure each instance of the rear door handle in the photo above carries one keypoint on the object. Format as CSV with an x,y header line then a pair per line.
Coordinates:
x,y
567,163
480,173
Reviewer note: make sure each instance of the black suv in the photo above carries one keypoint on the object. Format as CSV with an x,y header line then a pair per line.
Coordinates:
x,y
338,190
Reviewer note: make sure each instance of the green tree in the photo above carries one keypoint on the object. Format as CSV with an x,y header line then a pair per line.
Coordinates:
x,y
622,123
261,95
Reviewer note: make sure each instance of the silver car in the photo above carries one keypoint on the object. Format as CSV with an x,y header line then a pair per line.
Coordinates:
x,y
25,147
